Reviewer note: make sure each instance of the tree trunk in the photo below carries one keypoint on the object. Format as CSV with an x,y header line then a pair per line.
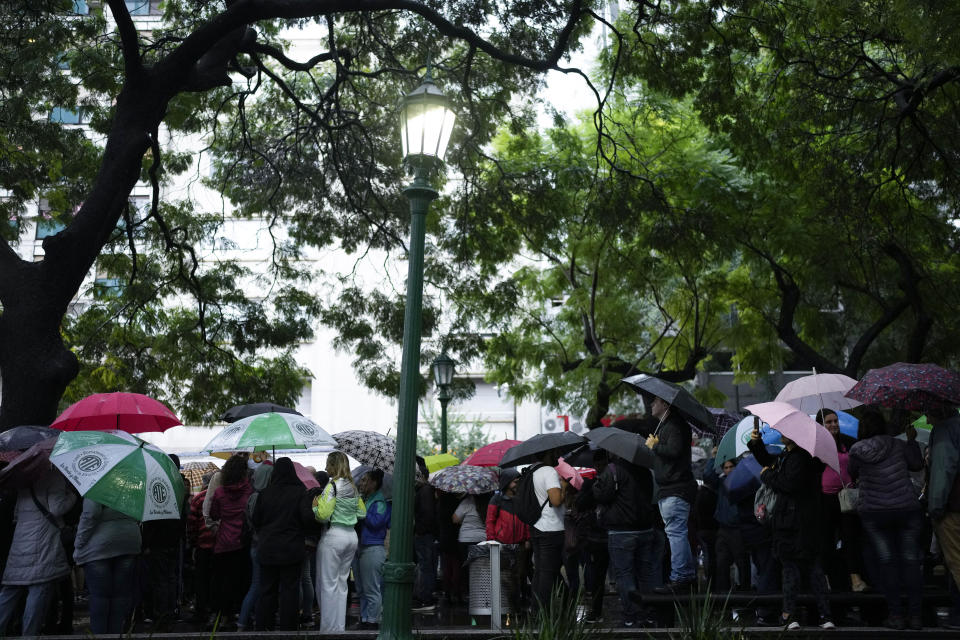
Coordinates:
x,y
36,365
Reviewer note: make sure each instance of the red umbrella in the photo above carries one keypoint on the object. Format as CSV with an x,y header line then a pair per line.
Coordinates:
x,y
918,387
130,412
490,455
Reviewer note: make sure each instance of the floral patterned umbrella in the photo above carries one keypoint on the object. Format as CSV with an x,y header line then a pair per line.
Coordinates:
x,y
465,478
917,387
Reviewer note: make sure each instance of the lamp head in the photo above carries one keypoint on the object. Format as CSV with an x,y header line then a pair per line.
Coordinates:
x,y
443,367
426,121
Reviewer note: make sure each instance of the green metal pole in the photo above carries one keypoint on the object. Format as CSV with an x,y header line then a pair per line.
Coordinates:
x,y
444,399
399,569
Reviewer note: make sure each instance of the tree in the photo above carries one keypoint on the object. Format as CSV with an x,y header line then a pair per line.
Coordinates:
x,y
336,184
585,273
843,115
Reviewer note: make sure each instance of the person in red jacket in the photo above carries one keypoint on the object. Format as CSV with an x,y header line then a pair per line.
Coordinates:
x,y
506,528
231,552
200,539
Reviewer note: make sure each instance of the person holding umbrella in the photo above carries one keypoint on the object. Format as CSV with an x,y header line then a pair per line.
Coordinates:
x,y
624,493
547,533
794,476
678,490
943,495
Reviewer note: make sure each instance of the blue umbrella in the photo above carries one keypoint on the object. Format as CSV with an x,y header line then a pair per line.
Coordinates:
x,y
744,479
849,426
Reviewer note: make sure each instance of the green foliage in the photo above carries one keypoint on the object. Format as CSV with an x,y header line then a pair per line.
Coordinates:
x,y
557,621
464,436
705,619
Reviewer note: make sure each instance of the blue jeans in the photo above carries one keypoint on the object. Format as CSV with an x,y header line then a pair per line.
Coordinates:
x,y
675,512
896,540
248,608
369,578
111,597
630,561
34,613
425,548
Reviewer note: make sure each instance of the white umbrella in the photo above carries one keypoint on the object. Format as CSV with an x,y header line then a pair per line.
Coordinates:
x,y
819,391
267,431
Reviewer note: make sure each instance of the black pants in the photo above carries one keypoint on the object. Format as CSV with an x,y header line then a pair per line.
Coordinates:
x,y
547,561
202,575
279,582
730,551
162,576
231,581
597,580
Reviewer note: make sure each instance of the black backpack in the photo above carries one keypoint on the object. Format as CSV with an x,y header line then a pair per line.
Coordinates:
x,y
525,503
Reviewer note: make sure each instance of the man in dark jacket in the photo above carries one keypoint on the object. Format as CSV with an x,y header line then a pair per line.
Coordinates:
x,y
282,512
625,494
425,531
678,490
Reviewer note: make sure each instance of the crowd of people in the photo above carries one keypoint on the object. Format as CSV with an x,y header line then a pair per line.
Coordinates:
x,y
256,549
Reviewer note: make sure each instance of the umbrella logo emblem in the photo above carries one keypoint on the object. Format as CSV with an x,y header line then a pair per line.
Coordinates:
x,y
745,437
231,431
305,428
89,463
159,492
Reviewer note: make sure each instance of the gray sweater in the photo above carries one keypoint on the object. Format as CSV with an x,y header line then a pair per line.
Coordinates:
x,y
882,466
105,533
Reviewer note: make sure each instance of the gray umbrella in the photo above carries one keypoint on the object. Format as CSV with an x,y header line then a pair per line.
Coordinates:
x,y
241,411
533,449
676,396
631,447
24,437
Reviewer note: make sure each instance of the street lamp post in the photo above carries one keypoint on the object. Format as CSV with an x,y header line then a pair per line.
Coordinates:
x,y
426,122
442,376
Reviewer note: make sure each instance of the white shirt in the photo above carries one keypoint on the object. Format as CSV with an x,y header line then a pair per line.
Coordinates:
x,y
546,478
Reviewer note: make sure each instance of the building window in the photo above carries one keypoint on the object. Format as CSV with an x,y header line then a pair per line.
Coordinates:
x,y
138,7
104,288
80,7
48,226
69,116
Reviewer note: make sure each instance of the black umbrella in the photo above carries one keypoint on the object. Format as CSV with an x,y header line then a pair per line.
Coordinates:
x,y
246,410
24,437
628,446
533,449
583,456
676,396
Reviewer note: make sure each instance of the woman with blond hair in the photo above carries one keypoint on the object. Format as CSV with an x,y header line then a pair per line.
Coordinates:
x,y
340,505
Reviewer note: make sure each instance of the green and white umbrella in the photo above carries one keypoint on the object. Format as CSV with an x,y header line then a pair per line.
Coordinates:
x,y
121,471
266,431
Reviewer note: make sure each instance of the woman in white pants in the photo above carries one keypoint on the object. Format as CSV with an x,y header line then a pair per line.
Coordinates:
x,y
340,504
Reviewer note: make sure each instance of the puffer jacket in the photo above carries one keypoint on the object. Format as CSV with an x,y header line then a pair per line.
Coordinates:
x,y
36,554
502,522
882,465
105,533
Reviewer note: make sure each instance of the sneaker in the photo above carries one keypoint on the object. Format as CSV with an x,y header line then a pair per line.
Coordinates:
x,y
827,623
593,617
789,623
422,607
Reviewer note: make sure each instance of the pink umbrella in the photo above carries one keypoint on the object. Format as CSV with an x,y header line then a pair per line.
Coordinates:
x,y
570,474
307,478
129,412
793,423
490,455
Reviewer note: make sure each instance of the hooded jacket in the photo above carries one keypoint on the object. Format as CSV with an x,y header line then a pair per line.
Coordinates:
x,y
229,507
883,465
280,515
625,495
36,554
